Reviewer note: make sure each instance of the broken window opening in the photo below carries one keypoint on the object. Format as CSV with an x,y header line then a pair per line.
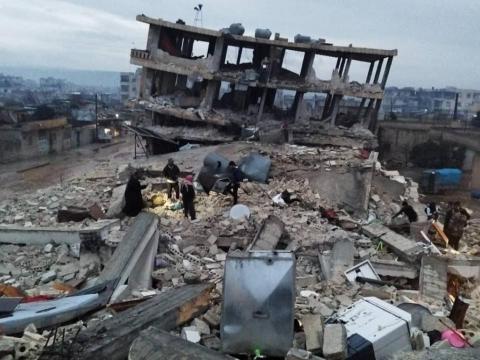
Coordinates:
x,y
324,67
199,49
292,64
233,96
358,71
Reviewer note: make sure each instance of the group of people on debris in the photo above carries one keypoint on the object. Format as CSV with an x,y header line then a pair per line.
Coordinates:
x,y
456,219
133,192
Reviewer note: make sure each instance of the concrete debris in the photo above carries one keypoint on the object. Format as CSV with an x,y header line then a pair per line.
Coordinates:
x,y
159,254
335,342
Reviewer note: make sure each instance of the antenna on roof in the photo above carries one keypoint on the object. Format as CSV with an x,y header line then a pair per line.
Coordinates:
x,y
198,15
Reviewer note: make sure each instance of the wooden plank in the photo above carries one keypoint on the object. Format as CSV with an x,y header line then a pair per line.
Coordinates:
x,y
440,232
111,339
156,344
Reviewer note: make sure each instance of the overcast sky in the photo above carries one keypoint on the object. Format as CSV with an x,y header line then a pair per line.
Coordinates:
x,y
438,40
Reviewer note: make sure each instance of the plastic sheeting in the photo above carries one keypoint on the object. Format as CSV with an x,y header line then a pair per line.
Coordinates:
x,y
256,167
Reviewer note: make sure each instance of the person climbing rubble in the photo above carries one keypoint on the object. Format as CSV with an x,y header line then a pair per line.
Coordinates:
x,y
188,197
133,195
407,210
171,173
456,220
236,178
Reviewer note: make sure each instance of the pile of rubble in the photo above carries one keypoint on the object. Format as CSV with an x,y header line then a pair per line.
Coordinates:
x,y
164,277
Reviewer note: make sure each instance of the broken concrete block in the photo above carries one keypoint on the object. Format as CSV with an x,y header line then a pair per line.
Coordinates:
x,y
298,354
212,342
335,342
48,276
312,325
48,248
212,239
191,278
212,316
306,281
7,346
201,326
433,278
190,333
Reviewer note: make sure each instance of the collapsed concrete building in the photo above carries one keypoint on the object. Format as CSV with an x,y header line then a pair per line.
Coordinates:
x,y
178,87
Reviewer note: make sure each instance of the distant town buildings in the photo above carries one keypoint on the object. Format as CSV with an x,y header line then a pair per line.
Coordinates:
x,y
129,85
431,103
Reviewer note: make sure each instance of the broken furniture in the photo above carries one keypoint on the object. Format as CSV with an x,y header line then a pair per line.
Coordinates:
x,y
258,303
375,329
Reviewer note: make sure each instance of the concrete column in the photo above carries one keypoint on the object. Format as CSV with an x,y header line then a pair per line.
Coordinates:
x,y
147,82
335,107
475,182
214,85
370,71
153,38
377,73
307,64
387,71
347,69
298,105
239,55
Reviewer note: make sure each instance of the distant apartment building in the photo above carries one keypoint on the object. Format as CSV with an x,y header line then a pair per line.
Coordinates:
x,y
23,138
129,85
435,102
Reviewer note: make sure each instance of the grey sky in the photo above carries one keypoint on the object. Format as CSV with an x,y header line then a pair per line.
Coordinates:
x,y
438,40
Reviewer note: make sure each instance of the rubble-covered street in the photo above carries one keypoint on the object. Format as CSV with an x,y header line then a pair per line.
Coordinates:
x,y
327,230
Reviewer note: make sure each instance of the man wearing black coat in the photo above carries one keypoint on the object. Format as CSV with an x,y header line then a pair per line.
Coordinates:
x,y
133,196
171,173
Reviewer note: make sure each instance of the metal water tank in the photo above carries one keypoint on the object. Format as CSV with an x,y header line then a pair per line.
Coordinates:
x,y
303,39
263,33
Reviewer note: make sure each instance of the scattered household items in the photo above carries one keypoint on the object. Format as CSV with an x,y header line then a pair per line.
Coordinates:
x,y
375,329
239,211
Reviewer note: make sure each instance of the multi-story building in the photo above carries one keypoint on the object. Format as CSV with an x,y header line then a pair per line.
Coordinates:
x,y
129,85
188,71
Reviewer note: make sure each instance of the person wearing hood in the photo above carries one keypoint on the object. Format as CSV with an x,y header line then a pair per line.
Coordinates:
x,y
133,195
171,173
188,197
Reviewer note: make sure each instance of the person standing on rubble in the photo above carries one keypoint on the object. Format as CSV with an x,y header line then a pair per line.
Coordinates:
x,y
456,220
171,173
235,178
409,211
431,211
133,195
188,197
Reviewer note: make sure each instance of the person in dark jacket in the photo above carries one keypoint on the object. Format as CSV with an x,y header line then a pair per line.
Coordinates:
x,y
133,195
455,222
409,211
188,197
171,173
431,211
236,179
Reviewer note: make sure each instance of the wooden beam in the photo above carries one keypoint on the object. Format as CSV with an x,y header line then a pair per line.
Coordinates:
x,y
157,344
111,339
